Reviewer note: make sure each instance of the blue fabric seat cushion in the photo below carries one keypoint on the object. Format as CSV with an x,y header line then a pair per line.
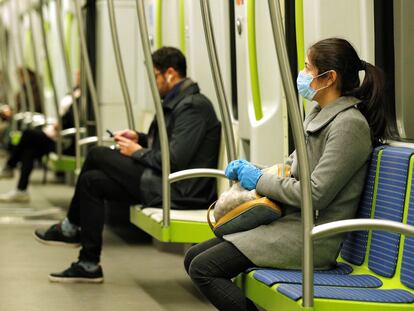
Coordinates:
x,y
354,247
407,265
294,292
271,277
389,205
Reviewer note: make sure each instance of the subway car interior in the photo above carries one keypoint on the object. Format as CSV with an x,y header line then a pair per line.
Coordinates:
x,y
76,74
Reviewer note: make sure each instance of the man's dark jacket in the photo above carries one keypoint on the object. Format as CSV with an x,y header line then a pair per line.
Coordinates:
x,y
194,138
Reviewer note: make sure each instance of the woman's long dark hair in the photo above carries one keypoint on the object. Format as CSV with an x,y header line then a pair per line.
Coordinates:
x,y
339,55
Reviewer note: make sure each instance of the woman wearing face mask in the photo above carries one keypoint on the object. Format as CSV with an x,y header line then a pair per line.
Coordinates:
x,y
340,130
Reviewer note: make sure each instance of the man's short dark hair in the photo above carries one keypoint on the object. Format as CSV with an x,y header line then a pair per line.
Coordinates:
x,y
167,57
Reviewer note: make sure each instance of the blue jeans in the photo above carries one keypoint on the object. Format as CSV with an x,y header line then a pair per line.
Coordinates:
x,y
211,266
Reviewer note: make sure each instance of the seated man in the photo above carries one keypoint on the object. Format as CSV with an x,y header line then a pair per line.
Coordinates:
x,y
133,174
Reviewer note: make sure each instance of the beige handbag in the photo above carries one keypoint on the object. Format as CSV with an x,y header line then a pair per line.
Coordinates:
x,y
250,214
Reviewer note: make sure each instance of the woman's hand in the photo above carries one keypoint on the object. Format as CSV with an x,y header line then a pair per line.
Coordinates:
x,y
232,169
127,146
243,170
249,176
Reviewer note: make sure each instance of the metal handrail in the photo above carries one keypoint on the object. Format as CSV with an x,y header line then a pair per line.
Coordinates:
x,y
341,226
4,62
119,64
88,71
299,138
71,131
195,173
218,80
18,53
23,103
59,147
165,154
67,74
26,75
36,64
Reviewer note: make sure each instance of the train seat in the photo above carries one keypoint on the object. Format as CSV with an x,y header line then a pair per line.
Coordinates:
x,y
66,163
186,226
185,215
375,267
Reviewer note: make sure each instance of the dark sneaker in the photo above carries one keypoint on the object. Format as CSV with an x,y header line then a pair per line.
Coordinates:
x,y
54,236
77,274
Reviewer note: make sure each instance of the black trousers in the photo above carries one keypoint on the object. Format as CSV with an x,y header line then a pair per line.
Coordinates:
x,y
33,145
211,266
105,175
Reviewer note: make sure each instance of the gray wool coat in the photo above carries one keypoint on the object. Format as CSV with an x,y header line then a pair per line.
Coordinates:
x,y
339,146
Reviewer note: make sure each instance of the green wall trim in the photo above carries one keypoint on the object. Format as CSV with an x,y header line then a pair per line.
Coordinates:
x,y
300,33
182,26
254,74
48,81
28,55
300,38
158,24
68,35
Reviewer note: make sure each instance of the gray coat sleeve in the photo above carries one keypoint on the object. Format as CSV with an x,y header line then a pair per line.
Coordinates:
x,y
289,160
346,150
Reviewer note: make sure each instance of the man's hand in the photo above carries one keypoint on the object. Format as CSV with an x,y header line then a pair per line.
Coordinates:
x,y
129,134
127,146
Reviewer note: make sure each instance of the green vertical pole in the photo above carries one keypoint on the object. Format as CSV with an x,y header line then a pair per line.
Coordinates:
x,y
28,56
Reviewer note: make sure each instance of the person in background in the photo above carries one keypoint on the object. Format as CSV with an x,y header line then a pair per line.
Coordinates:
x,y
5,116
133,174
7,112
33,145
340,130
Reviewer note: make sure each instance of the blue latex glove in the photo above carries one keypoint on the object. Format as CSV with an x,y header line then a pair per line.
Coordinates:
x,y
249,175
232,170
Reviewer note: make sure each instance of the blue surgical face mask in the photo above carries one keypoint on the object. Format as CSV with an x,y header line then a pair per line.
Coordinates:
x,y
303,83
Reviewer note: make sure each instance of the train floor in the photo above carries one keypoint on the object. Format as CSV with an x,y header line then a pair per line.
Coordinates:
x,y
138,276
